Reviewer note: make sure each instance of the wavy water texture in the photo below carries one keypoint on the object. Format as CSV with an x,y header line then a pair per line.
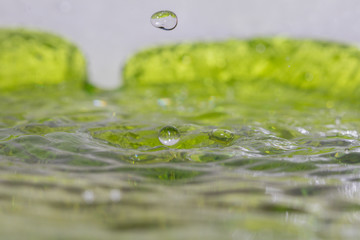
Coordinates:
x,y
284,171
248,165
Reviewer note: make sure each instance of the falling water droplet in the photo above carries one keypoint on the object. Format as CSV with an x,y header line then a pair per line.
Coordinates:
x,y
165,20
221,135
169,136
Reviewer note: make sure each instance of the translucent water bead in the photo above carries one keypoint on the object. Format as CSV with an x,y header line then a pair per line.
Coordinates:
x,y
221,135
165,20
169,136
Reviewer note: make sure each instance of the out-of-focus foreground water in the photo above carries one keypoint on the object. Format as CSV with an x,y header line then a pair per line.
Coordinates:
x,y
78,165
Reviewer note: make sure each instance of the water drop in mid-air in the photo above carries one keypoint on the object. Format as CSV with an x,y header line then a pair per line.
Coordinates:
x,y
165,20
169,136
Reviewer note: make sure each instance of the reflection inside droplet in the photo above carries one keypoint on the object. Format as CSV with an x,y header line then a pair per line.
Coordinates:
x,y
165,20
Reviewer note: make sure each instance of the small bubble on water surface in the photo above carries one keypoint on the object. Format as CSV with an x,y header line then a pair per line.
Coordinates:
x,y
169,136
88,196
221,135
165,20
115,195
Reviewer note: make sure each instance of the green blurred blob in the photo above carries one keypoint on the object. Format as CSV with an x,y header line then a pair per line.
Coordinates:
x,y
270,65
36,59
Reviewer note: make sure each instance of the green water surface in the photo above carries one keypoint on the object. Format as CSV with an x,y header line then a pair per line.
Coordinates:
x,y
289,169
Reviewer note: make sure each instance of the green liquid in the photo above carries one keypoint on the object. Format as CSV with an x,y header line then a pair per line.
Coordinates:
x,y
283,164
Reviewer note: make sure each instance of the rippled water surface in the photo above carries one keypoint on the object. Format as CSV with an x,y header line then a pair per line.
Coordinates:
x,y
90,165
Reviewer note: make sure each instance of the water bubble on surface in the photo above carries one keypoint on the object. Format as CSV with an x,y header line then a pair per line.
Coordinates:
x,y
115,195
165,20
221,135
88,196
169,135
